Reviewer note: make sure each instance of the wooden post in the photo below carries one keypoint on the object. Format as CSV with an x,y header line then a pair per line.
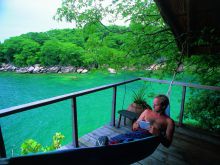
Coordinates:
x,y
74,126
182,106
2,145
113,105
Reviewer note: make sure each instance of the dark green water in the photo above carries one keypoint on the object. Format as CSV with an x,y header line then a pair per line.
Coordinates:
x,y
94,110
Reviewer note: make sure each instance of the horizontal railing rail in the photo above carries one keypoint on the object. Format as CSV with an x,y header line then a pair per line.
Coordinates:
x,y
36,104
182,84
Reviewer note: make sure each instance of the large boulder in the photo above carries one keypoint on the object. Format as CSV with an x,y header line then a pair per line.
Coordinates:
x,y
53,69
67,69
111,70
30,69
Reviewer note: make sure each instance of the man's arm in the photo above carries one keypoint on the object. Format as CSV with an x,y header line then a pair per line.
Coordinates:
x,y
141,117
167,139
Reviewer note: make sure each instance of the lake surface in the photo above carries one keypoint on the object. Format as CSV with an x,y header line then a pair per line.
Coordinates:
x,y
94,110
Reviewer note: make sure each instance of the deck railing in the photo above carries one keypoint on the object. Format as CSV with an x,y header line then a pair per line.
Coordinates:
x,y
74,95
184,85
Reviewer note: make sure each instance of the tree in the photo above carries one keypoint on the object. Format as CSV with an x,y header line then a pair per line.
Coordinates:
x,y
40,38
149,37
50,53
2,59
11,47
19,60
30,49
71,54
149,40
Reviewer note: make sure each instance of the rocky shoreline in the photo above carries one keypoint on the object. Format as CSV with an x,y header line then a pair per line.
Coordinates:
x,y
42,69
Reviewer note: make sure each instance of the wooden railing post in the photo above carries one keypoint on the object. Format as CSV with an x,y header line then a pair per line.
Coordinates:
x,y
74,123
2,145
182,105
113,105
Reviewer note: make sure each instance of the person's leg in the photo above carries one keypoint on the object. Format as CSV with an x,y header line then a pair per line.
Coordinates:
x,y
103,140
117,139
129,136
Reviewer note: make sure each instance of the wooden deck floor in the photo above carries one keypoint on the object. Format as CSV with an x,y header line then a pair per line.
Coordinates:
x,y
188,147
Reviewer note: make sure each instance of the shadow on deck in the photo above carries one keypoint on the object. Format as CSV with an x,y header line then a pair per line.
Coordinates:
x,y
188,147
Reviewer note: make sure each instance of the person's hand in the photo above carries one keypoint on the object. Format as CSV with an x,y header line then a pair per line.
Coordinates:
x,y
135,126
153,130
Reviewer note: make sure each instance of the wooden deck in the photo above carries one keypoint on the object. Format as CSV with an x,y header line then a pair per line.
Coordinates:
x,y
188,147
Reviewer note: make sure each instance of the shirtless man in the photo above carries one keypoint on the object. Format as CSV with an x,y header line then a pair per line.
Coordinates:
x,y
160,123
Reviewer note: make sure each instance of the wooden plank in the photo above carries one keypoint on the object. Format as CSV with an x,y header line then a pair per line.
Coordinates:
x,y
151,161
182,105
70,146
164,157
90,138
196,141
120,130
113,105
2,145
202,150
102,132
172,151
87,140
195,151
198,134
195,154
137,163
74,123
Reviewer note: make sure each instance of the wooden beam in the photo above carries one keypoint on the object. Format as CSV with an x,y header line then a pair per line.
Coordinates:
x,y
74,124
182,84
2,145
113,105
182,105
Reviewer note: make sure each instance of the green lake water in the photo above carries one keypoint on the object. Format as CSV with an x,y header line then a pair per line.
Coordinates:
x,y
94,110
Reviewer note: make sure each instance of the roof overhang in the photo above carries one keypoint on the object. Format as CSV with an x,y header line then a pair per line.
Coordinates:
x,y
194,23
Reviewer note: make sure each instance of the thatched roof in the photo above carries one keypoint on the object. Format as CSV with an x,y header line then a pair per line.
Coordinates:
x,y
194,23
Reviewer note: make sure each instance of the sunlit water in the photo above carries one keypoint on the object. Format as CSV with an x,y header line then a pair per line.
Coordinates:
x,y
93,110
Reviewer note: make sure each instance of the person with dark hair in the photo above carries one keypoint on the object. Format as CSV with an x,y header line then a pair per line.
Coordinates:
x,y
150,122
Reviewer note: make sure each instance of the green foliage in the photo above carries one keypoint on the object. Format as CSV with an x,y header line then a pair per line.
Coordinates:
x,y
11,47
139,96
19,60
34,59
205,108
32,146
2,59
18,49
50,53
70,54
39,38
145,40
